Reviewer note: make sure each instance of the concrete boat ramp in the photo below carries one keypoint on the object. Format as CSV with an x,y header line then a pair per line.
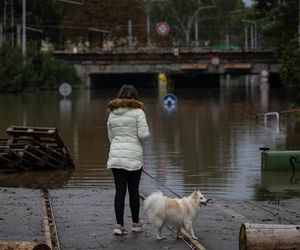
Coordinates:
x,y
83,218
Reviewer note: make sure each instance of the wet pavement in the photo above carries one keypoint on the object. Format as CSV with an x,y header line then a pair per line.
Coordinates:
x,y
85,219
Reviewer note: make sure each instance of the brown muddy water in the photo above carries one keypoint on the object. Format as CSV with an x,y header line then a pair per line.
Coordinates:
x,y
210,140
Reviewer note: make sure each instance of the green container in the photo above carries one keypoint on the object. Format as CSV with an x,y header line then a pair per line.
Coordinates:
x,y
280,160
277,181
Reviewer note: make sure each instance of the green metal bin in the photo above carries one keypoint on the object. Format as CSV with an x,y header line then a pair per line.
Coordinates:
x,y
280,160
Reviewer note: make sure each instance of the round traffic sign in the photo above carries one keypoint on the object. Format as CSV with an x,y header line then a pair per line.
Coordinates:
x,y
65,89
264,73
163,28
170,103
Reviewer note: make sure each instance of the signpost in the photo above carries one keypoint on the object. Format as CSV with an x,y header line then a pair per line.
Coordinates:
x,y
170,103
264,75
65,89
162,28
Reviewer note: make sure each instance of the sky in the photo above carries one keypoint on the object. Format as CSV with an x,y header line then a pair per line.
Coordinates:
x,y
247,2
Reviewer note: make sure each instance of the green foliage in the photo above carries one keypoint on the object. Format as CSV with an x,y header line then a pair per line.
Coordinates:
x,y
37,71
290,74
280,21
15,73
43,18
51,72
216,19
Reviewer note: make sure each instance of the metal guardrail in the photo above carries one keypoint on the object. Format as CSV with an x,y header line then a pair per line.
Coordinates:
x,y
277,116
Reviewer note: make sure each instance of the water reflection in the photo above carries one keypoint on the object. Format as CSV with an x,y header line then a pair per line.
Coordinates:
x,y
211,142
38,179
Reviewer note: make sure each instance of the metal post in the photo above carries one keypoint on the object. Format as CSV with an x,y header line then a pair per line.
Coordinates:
x,y
4,21
246,38
148,27
24,28
19,32
12,24
299,24
196,31
255,34
252,36
1,33
227,41
129,33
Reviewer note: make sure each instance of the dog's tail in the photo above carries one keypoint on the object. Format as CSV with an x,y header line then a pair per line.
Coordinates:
x,y
155,205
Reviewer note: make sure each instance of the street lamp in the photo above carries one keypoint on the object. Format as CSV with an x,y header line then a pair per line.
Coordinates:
x,y
187,28
196,21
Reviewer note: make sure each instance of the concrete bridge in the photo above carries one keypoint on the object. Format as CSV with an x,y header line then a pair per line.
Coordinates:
x,y
174,62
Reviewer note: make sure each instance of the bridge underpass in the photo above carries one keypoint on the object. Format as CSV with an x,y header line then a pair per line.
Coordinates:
x,y
148,80
196,69
177,80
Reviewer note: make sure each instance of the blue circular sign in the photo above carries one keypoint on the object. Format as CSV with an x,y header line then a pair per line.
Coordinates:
x,y
170,103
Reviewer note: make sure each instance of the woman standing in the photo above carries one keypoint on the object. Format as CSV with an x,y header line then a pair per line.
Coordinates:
x,y
127,129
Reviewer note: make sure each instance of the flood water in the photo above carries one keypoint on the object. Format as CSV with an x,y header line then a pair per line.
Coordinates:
x,y
210,140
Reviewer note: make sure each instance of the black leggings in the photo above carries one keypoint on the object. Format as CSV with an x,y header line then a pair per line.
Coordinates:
x,y
123,178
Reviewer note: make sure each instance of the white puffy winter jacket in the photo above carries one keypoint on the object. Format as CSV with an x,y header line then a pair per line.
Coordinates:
x,y
127,129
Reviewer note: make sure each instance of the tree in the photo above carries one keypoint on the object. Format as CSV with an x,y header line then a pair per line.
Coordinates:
x,y
281,21
42,19
37,71
15,72
213,17
97,21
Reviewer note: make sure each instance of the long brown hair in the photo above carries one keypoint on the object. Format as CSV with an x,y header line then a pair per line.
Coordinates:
x,y
128,92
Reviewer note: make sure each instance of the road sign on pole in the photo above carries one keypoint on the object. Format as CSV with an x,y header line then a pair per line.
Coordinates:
x,y
170,103
65,89
162,28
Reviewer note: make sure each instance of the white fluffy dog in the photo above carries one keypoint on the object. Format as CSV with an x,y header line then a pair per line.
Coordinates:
x,y
177,212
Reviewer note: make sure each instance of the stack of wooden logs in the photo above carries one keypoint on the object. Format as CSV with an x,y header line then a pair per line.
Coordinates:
x,y
33,148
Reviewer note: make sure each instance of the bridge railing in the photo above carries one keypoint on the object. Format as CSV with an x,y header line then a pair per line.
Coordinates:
x,y
173,49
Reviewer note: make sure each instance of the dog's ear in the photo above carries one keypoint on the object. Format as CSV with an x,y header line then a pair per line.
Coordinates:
x,y
194,194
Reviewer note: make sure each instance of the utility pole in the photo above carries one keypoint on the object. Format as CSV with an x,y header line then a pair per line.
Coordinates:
x,y
148,22
8,21
246,38
129,34
195,19
299,24
24,28
148,5
196,31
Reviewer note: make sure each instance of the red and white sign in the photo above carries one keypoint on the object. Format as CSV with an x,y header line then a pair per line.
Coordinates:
x,y
215,60
162,28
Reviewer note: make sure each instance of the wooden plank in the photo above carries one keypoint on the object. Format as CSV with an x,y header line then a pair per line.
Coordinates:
x,y
11,163
46,157
31,131
22,245
50,151
35,147
3,141
38,161
19,156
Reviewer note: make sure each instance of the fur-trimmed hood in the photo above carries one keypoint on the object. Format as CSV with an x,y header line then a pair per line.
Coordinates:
x,y
125,103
